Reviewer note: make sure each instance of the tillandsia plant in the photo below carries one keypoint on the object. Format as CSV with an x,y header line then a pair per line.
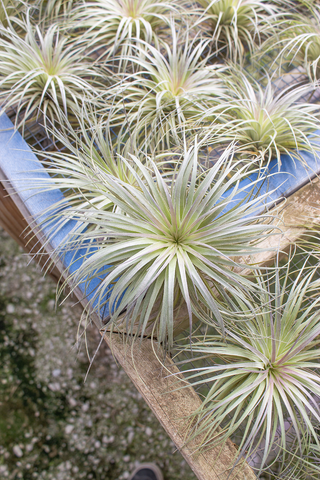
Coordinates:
x,y
170,244
116,24
172,86
9,10
294,6
297,462
87,155
43,73
300,41
237,25
301,6
266,123
263,375
54,10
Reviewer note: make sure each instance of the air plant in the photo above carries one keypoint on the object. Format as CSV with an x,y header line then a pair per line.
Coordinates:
x,y
237,25
300,41
9,12
86,155
172,86
116,24
297,462
54,10
294,6
266,123
43,73
167,245
307,465
301,6
263,375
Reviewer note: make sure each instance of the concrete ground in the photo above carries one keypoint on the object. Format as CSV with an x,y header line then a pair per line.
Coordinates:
x,y
53,426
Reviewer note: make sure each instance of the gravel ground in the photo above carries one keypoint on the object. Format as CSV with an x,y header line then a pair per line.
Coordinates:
x,y
53,426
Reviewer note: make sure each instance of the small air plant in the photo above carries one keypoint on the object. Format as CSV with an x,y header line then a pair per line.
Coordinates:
x,y
298,461
117,24
237,25
172,86
54,10
301,6
266,123
10,11
300,42
86,155
263,375
167,244
43,73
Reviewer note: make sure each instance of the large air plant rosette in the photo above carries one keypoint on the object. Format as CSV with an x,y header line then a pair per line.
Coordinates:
x,y
169,89
263,375
170,244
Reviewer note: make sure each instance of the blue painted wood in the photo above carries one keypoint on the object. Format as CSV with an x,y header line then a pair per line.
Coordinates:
x,y
23,170
277,183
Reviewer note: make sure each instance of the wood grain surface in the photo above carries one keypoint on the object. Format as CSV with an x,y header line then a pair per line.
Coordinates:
x,y
172,406
295,217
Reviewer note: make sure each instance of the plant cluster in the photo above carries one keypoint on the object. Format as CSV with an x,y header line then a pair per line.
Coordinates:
x,y
169,117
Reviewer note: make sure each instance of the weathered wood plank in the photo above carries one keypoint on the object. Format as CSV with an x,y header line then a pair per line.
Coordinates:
x,y
10,218
172,407
294,217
